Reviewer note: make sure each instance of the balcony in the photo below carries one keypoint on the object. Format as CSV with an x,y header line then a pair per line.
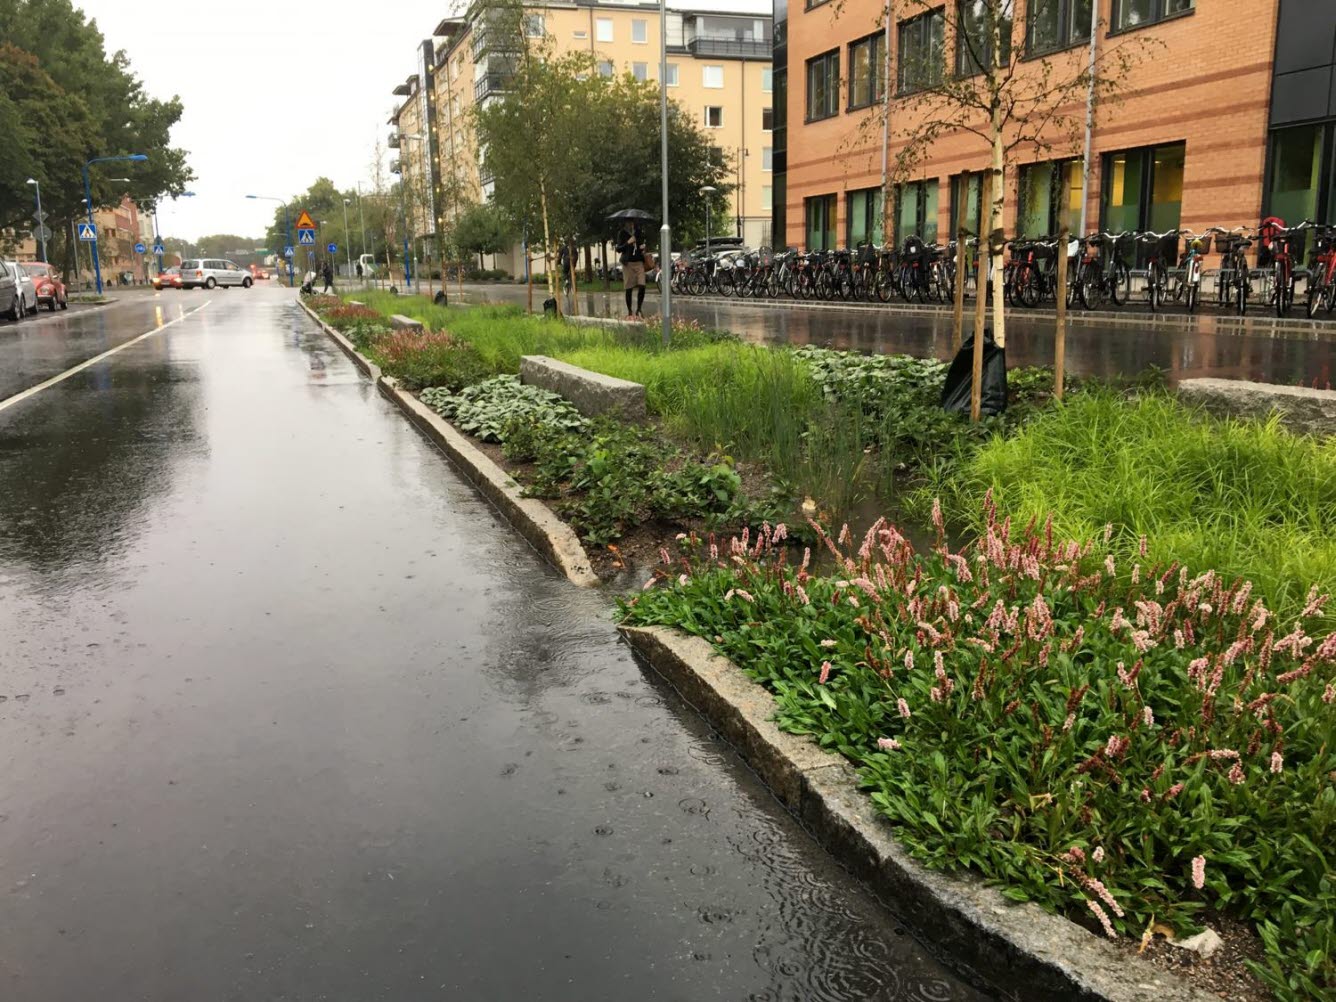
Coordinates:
x,y
490,83
729,48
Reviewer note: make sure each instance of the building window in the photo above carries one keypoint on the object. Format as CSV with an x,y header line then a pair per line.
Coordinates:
x,y
605,67
1056,24
672,75
1050,194
767,119
1295,184
1129,14
823,86
640,71
922,50
534,26
639,30
767,197
974,37
867,71
863,217
767,158
767,79
603,29
716,156
966,203
1143,189
714,116
579,33
712,77
916,211
820,222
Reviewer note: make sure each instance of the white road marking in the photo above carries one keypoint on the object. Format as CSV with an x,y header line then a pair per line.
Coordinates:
x,y
47,384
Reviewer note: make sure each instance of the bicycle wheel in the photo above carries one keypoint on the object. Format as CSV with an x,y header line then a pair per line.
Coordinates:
x,y
1191,293
1092,287
1027,288
885,285
1283,290
723,283
1121,290
695,282
1242,287
844,284
1315,295
1155,287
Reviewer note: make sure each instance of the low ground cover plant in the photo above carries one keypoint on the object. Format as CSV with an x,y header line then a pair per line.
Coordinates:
x,y
1247,498
1127,741
485,409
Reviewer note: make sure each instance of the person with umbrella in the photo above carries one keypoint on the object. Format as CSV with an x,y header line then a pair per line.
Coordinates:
x,y
631,247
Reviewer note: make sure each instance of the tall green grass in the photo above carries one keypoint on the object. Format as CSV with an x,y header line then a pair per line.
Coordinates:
x,y
1246,498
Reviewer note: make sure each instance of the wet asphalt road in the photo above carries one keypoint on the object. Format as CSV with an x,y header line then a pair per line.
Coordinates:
x,y
287,712
1108,346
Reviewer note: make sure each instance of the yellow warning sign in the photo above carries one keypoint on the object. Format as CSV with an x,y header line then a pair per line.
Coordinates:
x,y
305,222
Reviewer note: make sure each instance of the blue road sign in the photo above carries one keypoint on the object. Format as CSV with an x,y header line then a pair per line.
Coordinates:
x,y
306,238
332,248
158,248
87,231
140,248
287,251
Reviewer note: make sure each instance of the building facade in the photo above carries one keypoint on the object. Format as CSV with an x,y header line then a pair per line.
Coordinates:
x,y
719,69
1227,114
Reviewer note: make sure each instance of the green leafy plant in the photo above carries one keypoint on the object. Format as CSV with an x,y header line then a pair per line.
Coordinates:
x,y
485,410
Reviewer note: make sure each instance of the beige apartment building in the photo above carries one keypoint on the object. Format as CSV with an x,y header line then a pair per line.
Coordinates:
x,y
719,70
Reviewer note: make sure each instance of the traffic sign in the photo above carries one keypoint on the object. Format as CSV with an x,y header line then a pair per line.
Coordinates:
x,y
332,248
39,217
140,248
305,222
287,251
158,248
88,232
42,232
306,237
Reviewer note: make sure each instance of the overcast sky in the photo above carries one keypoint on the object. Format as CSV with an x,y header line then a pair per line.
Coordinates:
x,y
277,95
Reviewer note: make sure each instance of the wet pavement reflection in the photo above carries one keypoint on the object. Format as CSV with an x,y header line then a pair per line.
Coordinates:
x,y
1125,345
289,713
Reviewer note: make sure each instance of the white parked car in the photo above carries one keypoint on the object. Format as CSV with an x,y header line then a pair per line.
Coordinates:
x,y
18,295
208,273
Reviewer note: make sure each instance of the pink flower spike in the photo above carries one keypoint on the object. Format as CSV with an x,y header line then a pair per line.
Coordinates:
x,y
1098,854
909,660
1109,565
828,643
1329,693
1199,872
888,744
825,672
1236,775
903,707
1277,762
1148,716
1103,918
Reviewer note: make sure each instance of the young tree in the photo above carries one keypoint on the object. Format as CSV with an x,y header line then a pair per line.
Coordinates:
x,y
482,229
994,91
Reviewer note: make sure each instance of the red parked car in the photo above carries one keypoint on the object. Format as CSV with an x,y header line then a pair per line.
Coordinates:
x,y
46,280
169,279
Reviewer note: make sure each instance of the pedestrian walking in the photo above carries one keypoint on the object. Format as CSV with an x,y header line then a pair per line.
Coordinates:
x,y
328,274
631,246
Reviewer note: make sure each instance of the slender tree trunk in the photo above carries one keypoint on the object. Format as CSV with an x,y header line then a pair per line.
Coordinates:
x,y
999,189
547,247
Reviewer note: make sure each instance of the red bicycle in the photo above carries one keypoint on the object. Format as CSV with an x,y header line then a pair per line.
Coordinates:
x,y
1321,290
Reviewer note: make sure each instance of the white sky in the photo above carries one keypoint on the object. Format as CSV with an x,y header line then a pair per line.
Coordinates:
x,y
276,95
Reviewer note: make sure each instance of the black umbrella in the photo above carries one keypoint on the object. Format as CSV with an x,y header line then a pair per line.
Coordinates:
x,y
631,214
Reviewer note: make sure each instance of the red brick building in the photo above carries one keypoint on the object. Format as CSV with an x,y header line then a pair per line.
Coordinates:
x,y
1229,114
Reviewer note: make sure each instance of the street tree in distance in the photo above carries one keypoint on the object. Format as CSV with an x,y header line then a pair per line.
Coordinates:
x,y
481,229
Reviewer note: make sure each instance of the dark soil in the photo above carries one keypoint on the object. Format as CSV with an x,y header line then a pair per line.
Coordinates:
x,y
1223,974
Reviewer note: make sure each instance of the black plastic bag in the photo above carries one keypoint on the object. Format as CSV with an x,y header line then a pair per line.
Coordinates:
x,y
956,390
549,307
440,298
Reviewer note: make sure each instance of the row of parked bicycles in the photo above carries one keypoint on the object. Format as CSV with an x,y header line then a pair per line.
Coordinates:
x,y
1259,267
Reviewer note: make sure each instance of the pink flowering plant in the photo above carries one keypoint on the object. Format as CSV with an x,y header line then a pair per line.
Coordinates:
x,y
1127,744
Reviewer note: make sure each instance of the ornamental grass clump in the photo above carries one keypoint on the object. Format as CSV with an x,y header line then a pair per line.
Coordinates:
x,y
1126,741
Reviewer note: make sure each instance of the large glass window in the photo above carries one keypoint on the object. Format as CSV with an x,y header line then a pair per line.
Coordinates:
x,y
1166,188
916,211
603,29
1129,14
922,51
767,79
820,222
1056,24
1143,189
974,37
1050,194
863,217
867,71
966,209
639,30
712,77
823,86
1296,173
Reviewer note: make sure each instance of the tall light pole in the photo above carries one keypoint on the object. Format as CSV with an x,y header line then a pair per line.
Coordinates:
x,y
157,233
361,220
41,223
666,230
88,197
347,238
287,222
403,209
707,191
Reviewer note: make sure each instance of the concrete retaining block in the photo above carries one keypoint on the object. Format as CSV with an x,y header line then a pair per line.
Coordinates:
x,y
1303,410
592,393
402,323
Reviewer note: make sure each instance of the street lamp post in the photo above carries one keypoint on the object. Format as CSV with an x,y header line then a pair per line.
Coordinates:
x,y
403,208
88,197
707,191
287,223
347,239
361,221
41,224
665,230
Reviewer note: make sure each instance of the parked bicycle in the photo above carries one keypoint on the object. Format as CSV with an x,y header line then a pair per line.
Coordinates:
x,y
1321,292
1104,275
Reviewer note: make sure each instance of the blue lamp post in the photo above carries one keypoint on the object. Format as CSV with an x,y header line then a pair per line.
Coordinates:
x,y
287,223
88,198
157,233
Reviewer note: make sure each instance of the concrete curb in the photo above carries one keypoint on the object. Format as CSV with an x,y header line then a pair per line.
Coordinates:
x,y
536,522
1017,948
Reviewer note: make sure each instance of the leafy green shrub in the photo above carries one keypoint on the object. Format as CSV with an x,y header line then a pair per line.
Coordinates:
x,y
1122,741
421,359
1245,497
487,409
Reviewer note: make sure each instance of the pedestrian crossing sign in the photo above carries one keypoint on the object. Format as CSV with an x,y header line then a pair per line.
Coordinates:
x,y
87,231
158,248
306,237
